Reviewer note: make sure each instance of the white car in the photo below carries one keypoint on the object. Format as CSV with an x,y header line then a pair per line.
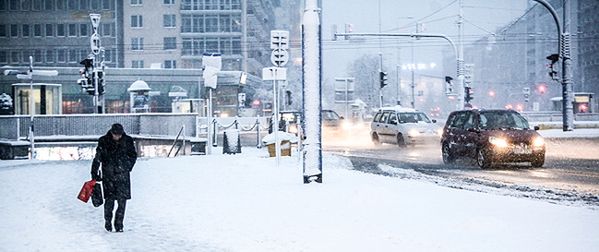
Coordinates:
x,y
403,126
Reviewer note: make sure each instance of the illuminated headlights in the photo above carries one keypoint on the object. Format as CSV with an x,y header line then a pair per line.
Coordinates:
x,y
498,142
346,125
538,142
413,132
440,132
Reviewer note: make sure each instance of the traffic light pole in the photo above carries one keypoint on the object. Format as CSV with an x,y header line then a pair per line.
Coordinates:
x,y
563,41
459,60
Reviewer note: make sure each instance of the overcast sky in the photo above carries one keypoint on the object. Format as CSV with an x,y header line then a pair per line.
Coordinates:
x,y
438,16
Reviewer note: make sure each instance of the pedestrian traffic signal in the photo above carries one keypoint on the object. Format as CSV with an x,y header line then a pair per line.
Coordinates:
x,y
383,79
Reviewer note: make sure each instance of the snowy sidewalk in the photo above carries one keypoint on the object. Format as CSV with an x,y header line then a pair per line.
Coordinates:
x,y
244,203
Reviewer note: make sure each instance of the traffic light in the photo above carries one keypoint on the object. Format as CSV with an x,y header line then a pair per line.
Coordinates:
x,y
448,85
468,93
383,79
86,81
526,92
100,82
552,73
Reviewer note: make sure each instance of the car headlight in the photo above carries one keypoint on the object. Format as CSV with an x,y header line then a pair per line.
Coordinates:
x,y
440,132
413,132
498,142
538,142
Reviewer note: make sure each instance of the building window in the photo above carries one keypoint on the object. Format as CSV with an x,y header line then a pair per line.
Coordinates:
x,y
14,32
107,30
37,30
25,30
236,46
225,23
137,21
95,5
137,2
83,5
61,55
170,64
137,64
25,5
211,23
169,21
14,5
137,44
49,30
37,5
72,30
60,4
50,56
108,55
168,2
3,57
15,57
26,54
2,30
106,4
60,30
37,56
2,5
49,4
73,56
170,43
83,30
72,4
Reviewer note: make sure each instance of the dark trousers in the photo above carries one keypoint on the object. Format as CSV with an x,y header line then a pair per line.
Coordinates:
x,y
120,212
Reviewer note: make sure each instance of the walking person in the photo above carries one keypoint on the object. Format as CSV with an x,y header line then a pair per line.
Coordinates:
x,y
116,156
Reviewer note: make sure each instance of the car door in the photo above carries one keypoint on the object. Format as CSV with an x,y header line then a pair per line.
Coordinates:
x,y
471,134
392,127
458,131
384,127
375,124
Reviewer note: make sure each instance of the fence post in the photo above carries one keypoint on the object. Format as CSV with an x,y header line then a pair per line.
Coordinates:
x,y
214,133
258,143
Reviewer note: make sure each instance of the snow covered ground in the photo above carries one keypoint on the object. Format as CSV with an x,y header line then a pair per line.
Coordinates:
x,y
244,202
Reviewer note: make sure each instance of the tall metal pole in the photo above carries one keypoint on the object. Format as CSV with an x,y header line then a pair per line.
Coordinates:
x,y
311,82
275,118
31,109
346,98
568,111
380,56
460,61
412,85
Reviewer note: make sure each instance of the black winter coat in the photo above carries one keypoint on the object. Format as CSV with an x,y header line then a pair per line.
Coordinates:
x,y
117,159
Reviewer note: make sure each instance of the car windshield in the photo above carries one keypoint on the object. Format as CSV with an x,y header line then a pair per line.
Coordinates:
x,y
413,117
330,115
502,120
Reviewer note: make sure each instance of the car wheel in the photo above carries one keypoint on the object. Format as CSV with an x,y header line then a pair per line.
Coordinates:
x,y
400,141
482,159
448,157
375,139
538,161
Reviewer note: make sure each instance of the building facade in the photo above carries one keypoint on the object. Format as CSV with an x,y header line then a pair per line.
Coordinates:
x,y
57,32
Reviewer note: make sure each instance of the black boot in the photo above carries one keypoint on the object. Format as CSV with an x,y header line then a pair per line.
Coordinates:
x,y
108,226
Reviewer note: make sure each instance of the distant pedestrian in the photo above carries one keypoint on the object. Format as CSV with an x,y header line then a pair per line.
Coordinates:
x,y
116,155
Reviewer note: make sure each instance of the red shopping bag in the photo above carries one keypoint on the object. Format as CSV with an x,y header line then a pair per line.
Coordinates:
x,y
86,190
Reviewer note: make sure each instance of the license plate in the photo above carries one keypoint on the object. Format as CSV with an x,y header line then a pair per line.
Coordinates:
x,y
522,150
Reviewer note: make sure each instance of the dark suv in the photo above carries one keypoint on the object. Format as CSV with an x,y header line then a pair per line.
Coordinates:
x,y
491,136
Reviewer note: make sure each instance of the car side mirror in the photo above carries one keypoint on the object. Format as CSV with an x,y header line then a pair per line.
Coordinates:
x,y
434,121
536,127
394,122
341,117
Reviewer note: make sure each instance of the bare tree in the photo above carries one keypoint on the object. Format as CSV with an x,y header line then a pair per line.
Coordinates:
x,y
365,72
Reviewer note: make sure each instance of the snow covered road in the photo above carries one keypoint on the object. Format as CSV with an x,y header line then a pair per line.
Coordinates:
x,y
244,203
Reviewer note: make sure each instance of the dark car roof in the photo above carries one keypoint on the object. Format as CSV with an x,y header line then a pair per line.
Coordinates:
x,y
486,110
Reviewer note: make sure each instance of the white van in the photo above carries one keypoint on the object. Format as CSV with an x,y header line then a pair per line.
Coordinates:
x,y
403,126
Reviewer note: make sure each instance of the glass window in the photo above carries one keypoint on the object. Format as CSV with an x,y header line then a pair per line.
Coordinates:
x,y
384,117
106,30
186,47
49,30
198,24
137,64
170,43
186,23
136,2
15,57
168,2
106,4
108,55
225,23
169,21
26,54
377,117
83,30
236,23
72,4
170,64
14,30
61,55
14,4
2,30
25,30
84,4
3,57
60,4
60,30
137,44
137,21
37,5
25,4
73,55
72,30
3,5
211,23
185,4
236,46
37,30
37,56
95,5
235,5
48,4
50,56
212,45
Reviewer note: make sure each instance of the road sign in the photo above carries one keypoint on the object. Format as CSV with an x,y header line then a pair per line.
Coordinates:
x,y
279,39
274,73
279,57
94,41
95,18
